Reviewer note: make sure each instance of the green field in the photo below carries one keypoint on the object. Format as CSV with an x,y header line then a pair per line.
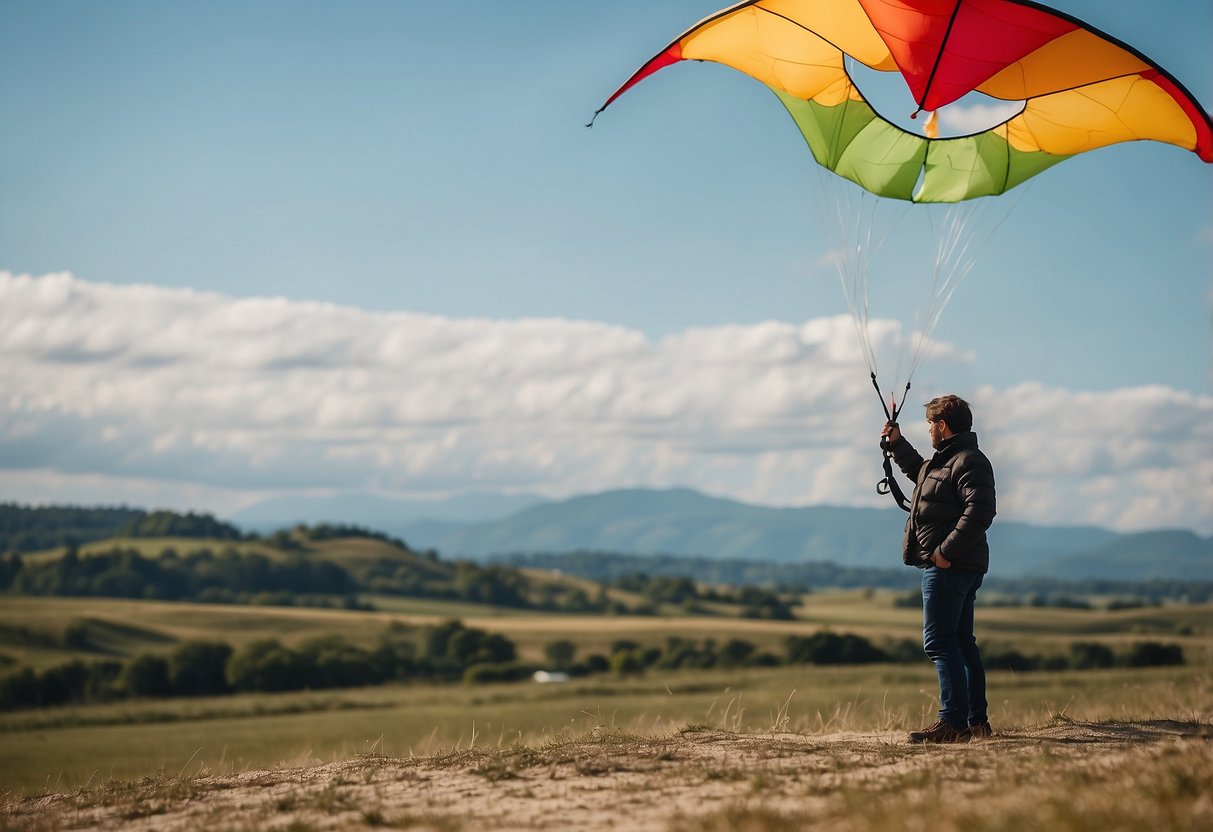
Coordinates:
x,y
63,748
151,626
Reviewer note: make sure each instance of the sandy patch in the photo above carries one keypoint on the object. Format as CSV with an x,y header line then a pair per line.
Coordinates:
x,y
695,779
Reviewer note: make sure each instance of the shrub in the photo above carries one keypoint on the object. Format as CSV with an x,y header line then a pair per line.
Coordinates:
x,y
1085,655
627,663
146,675
198,668
1154,654
331,663
1006,658
735,653
487,672
22,689
559,654
76,635
65,683
832,648
265,665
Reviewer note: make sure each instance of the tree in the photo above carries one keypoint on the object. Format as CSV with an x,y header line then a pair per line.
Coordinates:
x,y
1154,654
332,663
22,689
560,653
627,663
832,648
65,683
146,675
265,665
1085,655
9,567
735,653
198,668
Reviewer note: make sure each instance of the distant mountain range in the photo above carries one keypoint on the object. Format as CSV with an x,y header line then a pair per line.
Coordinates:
x,y
683,522
375,512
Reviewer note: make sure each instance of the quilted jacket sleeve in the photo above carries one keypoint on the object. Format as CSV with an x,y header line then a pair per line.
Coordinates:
x,y
908,460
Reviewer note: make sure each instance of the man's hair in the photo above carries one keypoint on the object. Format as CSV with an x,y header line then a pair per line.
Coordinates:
x,y
953,410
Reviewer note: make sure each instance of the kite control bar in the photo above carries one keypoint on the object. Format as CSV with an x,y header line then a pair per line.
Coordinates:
x,y
889,485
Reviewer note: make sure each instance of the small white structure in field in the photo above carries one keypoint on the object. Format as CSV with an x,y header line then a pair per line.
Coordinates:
x,y
548,676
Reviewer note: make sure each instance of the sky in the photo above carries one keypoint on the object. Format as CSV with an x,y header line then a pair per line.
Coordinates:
x,y
251,250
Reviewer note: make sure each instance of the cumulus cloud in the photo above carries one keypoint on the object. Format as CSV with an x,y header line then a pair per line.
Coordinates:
x,y
1131,459
207,394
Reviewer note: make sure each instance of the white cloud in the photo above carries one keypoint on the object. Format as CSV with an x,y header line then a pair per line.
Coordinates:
x,y
965,119
137,391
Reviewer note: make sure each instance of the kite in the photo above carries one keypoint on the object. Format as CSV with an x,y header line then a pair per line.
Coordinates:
x,y
1080,88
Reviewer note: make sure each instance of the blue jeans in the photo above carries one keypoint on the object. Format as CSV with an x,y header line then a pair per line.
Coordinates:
x,y
947,637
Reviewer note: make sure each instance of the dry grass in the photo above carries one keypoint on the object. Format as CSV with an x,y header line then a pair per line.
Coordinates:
x,y
61,749
1064,776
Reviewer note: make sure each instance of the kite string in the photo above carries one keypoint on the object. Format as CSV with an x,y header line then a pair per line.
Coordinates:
x,y
968,229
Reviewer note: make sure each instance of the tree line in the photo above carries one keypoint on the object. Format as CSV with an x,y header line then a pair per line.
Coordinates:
x,y
442,652
451,652
27,528
197,576
803,578
232,576
30,528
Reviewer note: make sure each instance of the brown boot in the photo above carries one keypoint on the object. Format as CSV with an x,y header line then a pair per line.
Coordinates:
x,y
981,731
940,732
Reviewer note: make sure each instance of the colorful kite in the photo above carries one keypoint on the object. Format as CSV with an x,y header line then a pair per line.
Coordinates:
x,y
1080,89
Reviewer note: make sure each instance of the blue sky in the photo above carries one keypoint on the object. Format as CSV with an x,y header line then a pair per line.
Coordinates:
x,y
426,165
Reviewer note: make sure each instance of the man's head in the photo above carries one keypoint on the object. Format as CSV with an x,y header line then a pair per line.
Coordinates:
x,y
947,416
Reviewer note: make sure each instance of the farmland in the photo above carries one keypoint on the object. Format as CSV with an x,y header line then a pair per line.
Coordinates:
x,y
692,707
67,747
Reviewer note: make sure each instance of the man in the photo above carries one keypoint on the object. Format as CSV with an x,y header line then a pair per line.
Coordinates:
x,y
952,506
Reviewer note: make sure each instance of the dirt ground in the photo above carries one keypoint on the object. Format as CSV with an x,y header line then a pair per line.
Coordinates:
x,y
1067,775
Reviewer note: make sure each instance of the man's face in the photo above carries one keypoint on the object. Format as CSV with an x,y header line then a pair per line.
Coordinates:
x,y
936,431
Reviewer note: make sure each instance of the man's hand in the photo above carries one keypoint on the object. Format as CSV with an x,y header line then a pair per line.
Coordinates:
x,y
891,432
940,561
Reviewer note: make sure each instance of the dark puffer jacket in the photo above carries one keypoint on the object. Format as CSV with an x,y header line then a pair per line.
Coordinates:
x,y
953,503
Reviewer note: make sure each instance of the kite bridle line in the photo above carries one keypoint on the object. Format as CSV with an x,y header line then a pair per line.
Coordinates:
x,y
892,410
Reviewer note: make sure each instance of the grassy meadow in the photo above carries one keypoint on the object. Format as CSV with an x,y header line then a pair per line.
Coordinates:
x,y
63,748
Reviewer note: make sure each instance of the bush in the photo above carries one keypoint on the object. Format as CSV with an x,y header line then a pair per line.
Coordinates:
x,y
1006,658
146,675
627,663
735,653
1154,654
559,654
1085,655
905,651
198,668
832,648
265,665
596,663
331,663
76,635
485,673
22,689
65,683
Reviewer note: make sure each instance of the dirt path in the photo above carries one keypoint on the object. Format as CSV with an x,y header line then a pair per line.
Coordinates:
x,y
1064,776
